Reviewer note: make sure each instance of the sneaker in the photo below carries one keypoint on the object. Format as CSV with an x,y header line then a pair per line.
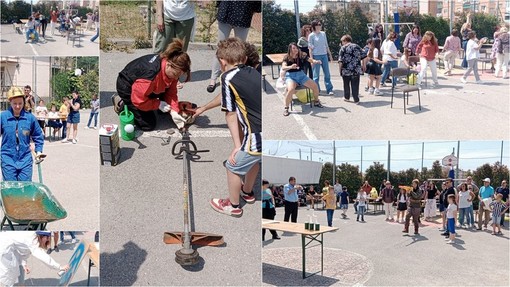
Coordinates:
x,y
378,93
49,251
87,127
224,206
463,80
65,140
248,197
73,241
383,85
74,141
56,249
95,128
479,82
450,242
371,91
366,89
331,93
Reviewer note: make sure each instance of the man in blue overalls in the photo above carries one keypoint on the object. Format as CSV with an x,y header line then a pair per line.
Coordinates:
x,y
17,129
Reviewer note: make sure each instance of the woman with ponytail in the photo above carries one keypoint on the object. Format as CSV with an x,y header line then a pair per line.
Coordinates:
x,y
150,82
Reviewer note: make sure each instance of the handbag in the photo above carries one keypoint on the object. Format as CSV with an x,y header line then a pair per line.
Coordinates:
x,y
486,203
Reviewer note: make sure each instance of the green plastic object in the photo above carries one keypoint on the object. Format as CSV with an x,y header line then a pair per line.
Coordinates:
x,y
126,118
26,202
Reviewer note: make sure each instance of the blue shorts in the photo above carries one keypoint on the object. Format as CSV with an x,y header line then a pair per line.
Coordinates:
x,y
73,118
244,162
298,77
441,207
496,219
344,206
451,225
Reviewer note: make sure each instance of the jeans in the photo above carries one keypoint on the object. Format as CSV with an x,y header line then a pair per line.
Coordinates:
x,y
95,36
387,68
361,211
464,47
472,66
64,129
356,207
464,212
93,115
70,233
317,72
329,214
351,82
30,31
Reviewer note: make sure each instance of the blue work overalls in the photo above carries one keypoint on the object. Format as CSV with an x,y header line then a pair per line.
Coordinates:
x,y
16,135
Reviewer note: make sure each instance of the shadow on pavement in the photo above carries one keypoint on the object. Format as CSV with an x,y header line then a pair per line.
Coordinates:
x,y
126,153
416,238
121,268
105,99
43,282
93,282
281,276
201,75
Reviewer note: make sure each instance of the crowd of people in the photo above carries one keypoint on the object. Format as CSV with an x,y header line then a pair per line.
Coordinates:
x,y
459,206
420,50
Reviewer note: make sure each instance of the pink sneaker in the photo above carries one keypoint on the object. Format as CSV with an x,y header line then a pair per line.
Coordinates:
x,y
224,206
249,198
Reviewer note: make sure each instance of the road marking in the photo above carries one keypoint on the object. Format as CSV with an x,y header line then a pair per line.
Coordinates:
x,y
301,122
33,49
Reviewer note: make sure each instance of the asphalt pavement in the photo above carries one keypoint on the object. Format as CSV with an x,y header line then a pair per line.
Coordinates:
x,y
13,44
42,275
377,253
141,197
450,111
71,172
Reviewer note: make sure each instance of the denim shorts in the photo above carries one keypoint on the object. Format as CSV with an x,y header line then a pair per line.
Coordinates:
x,y
496,219
451,225
73,118
244,162
298,77
344,206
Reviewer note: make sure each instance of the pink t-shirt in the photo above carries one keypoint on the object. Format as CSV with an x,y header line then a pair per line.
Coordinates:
x,y
427,50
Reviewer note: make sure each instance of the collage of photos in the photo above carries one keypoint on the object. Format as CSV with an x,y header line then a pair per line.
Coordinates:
x,y
132,151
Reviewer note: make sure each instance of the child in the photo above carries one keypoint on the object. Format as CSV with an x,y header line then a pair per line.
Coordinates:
x,y
241,101
404,60
472,54
344,201
498,209
451,215
330,199
53,121
41,112
361,199
64,112
402,204
373,67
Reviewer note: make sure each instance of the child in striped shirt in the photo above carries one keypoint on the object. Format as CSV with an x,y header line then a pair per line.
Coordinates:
x,y
498,208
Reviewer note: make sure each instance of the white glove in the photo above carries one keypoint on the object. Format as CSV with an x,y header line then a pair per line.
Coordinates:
x,y
178,119
164,107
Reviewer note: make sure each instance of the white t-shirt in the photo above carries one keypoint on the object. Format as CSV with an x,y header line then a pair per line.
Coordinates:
x,y
41,111
463,199
376,53
179,10
449,211
402,63
361,199
471,52
338,188
402,199
389,48
53,114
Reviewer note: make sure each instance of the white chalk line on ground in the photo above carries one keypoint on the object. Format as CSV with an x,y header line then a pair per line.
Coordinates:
x,y
224,133
33,49
301,122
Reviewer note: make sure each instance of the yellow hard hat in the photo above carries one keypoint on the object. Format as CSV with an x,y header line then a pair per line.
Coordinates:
x,y
15,92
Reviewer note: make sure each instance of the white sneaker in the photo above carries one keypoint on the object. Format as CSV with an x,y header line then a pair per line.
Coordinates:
x,y
371,91
95,128
73,241
450,242
74,141
378,93
65,140
479,82
86,127
463,80
331,93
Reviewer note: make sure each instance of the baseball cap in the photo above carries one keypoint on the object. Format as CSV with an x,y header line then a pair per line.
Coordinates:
x,y
487,180
43,233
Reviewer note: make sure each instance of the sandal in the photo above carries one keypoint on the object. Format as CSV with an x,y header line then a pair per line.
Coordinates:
x,y
286,111
318,104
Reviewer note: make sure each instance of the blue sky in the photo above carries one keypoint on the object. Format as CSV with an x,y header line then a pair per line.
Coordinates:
x,y
304,5
404,154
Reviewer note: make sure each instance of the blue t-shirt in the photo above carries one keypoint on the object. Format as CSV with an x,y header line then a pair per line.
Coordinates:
x,y
318,43
344,197
292,197
486,192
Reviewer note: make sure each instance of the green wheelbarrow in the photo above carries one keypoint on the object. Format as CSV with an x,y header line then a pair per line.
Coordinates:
x,y
28,204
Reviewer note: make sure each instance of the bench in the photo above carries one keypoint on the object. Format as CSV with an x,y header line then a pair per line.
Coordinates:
x,y
276,59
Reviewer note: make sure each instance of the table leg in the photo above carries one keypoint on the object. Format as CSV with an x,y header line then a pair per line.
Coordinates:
x,y
304,252
322,253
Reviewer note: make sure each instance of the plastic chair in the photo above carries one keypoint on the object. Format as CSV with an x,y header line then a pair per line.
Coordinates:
x,y
405,88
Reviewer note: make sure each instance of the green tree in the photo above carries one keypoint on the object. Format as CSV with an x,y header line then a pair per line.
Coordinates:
x,y
375,174
326,174
279,27
349,176
482,172
437,170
